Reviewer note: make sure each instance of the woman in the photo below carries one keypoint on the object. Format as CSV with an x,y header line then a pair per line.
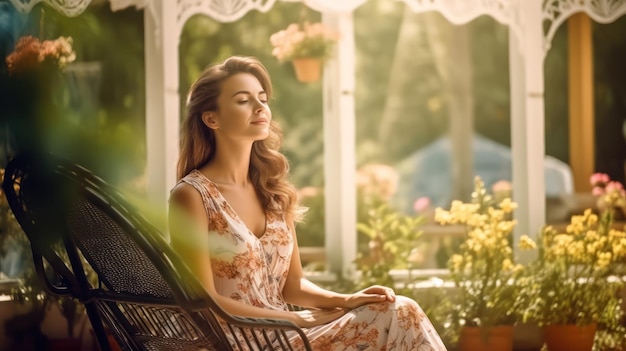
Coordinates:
x,y
233,184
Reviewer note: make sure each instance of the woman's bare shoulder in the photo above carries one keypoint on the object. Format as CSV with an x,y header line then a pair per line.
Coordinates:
x,y
184,194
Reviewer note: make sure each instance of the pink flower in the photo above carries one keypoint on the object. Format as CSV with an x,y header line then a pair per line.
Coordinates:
x,y
377,179
421,204
306,40
597,191
501,186
614,186
25,56
599,179
611,193
30,52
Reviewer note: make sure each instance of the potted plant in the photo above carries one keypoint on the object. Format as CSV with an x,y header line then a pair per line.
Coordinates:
x,y
34,91
483,270
573,289
389,239
393,240
307,46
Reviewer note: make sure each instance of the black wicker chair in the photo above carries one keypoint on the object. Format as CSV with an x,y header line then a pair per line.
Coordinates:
x,y
144,294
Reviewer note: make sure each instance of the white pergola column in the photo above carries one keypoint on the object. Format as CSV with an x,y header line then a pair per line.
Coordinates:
x,y
339,149
526,53
162,104
527,122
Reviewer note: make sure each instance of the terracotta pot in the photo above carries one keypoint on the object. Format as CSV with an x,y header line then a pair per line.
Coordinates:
x,y
498,338
569,337
308,70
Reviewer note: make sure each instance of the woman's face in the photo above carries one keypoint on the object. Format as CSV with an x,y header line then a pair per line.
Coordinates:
x,y
243,111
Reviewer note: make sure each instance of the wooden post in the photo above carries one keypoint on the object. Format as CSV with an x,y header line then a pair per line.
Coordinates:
x,y
581,113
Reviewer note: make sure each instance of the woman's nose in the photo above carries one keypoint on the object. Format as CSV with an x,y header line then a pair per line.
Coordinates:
x,y
259,108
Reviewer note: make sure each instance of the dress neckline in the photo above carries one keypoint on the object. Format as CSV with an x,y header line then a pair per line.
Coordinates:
x,y
237,217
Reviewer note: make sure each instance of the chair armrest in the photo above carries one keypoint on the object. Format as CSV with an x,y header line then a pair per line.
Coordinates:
x,y
271,331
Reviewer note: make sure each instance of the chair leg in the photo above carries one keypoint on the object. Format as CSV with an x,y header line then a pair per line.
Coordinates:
x,y
98,327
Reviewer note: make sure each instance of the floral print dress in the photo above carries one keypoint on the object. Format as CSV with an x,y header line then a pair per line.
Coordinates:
x,y
253,270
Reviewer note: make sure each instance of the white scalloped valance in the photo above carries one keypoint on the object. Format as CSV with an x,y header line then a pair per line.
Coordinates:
x,y
117,5
220,10
233,10
555,12
73,8
463,11
334,5
70,8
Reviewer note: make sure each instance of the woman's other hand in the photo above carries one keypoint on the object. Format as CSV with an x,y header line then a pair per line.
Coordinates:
x,y
373,294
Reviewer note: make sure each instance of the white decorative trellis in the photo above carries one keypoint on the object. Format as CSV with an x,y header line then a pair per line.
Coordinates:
x,y
555,12
70,8
463,11
219,10
529,43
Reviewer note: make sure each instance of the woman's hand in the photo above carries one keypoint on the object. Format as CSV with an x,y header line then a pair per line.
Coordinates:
x,y
373,294
312,318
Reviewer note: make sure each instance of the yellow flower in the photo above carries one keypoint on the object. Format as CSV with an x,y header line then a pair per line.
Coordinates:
x,y
495,214
486,256
507,205
573,270
576,226
442,216
592,248
604,259
506,226
491,243
576,250
476,220
591,235
619,248
456,261
526,243
592,218
615,234
563,239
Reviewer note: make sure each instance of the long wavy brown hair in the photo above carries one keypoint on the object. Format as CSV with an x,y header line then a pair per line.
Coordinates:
x,y
268,167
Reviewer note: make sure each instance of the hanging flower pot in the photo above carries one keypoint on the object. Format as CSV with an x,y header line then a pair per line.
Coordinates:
x,y
497,338
307,46
570,337
308,70
31,104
